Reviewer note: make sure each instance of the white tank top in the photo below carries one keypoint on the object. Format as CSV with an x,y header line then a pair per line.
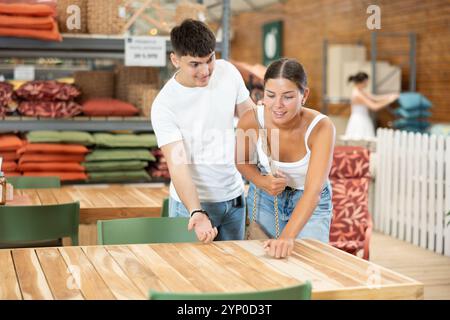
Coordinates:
x,y
294,171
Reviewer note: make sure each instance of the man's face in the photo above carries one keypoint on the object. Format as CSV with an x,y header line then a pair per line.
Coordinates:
x,y
194,71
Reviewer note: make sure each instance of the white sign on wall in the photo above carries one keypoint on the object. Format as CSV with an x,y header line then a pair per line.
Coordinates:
x,y
23,72
145,51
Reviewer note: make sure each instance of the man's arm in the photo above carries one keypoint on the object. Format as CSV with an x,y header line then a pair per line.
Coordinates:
x,y
180,175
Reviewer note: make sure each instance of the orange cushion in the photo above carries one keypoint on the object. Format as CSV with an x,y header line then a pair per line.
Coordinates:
x,y
53,148
43,157
12,174
9,166
102,107
51,35
9,142
25,9
63,176
51,166
41,23
9,156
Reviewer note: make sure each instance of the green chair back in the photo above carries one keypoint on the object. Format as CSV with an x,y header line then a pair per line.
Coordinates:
x,y
165,208
299,292
34,182
144,230
19,224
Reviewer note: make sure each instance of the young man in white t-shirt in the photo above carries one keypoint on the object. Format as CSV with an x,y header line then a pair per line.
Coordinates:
x,y
192,117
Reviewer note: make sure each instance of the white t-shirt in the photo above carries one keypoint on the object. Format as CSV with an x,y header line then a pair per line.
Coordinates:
x,y
203,118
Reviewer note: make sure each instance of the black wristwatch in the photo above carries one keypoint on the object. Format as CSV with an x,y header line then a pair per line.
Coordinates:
x,y
200,210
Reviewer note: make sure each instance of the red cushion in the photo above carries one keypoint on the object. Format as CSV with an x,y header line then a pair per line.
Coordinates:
x,y
51,166
49,35
53,148
103,107
350,209
350,162
9,142
27,9
9,155
63,176
44,157
9,166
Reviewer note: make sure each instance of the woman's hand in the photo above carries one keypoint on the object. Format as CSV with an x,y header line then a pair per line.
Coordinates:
x,y
394,96
279,248
274,185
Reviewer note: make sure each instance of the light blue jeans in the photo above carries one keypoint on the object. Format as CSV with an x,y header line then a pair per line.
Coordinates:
x,y
226,216
318,225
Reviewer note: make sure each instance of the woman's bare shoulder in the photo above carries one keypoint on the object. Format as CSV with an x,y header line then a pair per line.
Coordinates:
x,y
248,120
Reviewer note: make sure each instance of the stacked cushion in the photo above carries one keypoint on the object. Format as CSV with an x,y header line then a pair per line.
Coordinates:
x,y
70,137
54,153
413,112
120,157
28,21
350,177
46,159
7,102
159,169
49,99
9,145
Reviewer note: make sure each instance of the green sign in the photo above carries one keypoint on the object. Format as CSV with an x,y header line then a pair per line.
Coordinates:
x,y
272,41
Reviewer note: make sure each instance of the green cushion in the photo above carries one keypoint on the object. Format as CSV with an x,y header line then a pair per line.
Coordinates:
x,y
125,140
75,137
119,176
114,165
120,154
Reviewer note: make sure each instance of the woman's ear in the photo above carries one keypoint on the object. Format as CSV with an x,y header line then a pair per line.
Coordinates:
x,y
305,96
174,59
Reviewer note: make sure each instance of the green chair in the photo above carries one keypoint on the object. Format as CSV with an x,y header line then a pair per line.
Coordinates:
x,y
34,182
165,208
144,230
29,226
299,292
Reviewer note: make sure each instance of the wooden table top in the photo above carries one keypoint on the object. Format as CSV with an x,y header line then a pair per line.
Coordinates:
x,y
99,202
130,271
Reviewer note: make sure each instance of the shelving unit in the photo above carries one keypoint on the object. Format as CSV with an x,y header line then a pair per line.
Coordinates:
x,y
141,124
84,46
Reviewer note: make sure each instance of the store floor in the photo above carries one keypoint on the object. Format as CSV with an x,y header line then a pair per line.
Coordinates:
x,y
432,269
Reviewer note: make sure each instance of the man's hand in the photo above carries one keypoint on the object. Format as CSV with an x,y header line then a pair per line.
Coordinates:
x,y
203,227
279,248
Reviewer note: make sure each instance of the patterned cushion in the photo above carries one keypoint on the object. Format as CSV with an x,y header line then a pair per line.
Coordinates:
x,y
350,209
350,162
350,178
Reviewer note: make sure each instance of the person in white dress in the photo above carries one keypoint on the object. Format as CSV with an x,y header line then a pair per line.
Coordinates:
x,y
360,125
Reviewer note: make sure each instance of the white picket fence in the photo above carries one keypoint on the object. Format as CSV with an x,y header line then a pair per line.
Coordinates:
x,y
412,188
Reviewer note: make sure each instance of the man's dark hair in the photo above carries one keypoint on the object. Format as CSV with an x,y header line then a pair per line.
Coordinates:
x,y
192,38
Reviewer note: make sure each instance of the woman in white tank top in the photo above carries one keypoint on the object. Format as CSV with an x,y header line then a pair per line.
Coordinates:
x,y
300,142
360,125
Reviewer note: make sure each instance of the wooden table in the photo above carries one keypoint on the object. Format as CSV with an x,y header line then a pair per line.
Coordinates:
x,y
100,202
130,271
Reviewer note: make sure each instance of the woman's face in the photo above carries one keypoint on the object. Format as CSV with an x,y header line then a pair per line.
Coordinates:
x,y
284,99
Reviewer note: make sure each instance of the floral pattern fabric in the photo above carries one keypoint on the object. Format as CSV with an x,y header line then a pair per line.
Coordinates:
x,y
350,177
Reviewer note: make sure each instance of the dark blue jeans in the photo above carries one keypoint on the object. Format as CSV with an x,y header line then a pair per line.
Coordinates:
x,y
229,219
